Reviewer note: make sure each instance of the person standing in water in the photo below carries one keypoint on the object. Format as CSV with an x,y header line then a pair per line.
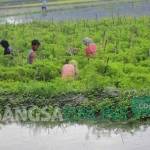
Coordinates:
x,y
32,55
7,49
91,47
44,5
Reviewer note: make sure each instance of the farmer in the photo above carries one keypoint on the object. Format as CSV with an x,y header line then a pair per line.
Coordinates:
x,y
44,5
6,46
32,55
69,70
90,49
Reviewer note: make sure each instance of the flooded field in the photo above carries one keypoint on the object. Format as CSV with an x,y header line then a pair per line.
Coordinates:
x,y
74,136
103,136
134,9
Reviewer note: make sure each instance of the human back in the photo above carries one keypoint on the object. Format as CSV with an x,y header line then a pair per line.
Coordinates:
x,y
91,47
69,70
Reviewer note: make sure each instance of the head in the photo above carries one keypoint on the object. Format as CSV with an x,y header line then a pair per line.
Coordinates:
x,y
4,44
87,41
35,45
73,62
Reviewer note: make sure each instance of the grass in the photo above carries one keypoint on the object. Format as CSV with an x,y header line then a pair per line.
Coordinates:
x,y
125,41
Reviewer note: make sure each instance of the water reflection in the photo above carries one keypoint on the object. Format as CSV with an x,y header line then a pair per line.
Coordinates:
x,y
68,136
98,129
15,20
138,8
12,20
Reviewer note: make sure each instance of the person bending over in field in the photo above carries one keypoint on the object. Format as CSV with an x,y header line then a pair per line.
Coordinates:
x,y
7,49
32,54
91,48
69,70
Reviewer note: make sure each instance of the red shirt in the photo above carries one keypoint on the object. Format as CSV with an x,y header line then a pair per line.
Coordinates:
x,y
91,50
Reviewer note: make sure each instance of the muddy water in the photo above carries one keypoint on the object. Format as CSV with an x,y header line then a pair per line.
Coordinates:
x,y
135,9
74,137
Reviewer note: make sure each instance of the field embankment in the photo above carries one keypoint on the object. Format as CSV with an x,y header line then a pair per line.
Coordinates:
x,y
100,84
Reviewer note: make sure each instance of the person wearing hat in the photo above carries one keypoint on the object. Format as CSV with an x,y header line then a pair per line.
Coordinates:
x,y
91,48
6,46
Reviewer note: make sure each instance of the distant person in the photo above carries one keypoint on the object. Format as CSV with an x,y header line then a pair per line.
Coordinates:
x,y
91,48
69,70
32,55
7,49
44,5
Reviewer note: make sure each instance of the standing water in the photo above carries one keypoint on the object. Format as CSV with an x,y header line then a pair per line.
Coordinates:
x,y
75,137
134,9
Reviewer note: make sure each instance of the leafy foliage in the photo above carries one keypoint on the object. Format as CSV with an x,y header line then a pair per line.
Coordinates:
x,y
122,61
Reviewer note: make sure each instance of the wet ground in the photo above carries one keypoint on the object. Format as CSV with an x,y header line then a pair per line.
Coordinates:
x,y
136,9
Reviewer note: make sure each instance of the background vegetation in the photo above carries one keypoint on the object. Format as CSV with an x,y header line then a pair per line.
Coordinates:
x,y
123,41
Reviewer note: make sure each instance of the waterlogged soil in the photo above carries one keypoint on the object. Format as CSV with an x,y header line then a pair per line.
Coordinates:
x,y
134,9
74,136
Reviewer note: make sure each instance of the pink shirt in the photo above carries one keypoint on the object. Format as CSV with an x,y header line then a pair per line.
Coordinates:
x,y
91,50
68,71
